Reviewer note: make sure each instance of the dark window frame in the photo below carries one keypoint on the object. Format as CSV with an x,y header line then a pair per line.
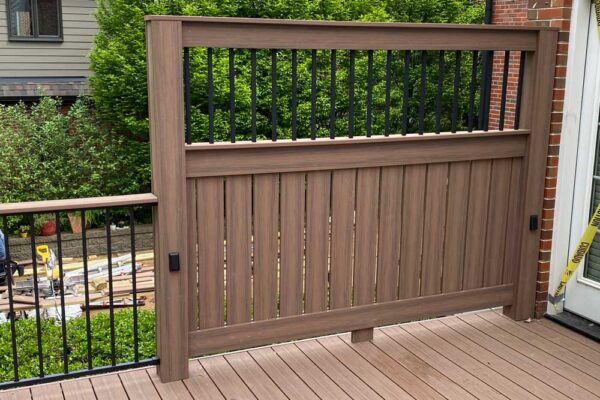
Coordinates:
x,y
36,37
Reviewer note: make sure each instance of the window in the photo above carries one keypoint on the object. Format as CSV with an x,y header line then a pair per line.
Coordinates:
x,y
37,20
592,265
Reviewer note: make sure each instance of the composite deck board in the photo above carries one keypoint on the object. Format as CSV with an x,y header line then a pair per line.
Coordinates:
x,y
481,355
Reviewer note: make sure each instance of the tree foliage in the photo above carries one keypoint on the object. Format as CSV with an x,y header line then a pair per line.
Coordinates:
x,y
119,85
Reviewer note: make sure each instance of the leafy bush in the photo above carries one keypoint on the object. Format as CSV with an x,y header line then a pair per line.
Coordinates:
x,y
47,154
118,60
77,343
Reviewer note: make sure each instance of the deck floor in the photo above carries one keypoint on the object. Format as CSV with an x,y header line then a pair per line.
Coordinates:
x,y
479,355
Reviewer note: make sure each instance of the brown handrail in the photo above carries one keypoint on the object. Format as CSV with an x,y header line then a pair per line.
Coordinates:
x,y
77,204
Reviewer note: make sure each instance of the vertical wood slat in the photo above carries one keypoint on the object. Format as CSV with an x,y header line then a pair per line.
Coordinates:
x,y
476,224
390,226
412,231
455,229
513,231
192,238
537,105
365,243
318,196
166,114
292,242
211,235
496,222
238,198
433,237
266,232
343,186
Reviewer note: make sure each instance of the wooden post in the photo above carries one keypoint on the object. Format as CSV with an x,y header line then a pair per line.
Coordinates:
x,y
535,114
165,97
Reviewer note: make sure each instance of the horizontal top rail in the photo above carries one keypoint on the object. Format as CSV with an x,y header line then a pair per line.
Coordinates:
x,y
225,32
77,204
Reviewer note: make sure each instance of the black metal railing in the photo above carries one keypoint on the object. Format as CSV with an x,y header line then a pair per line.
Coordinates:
x,y
56,344
368,92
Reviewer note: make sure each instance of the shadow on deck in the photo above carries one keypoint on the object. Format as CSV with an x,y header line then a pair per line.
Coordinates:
x,y
481,355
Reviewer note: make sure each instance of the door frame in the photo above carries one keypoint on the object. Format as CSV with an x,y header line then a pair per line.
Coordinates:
x,y
573,188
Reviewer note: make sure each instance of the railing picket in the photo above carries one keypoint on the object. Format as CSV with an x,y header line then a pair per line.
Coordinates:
x,y
406,92
472,90
332,91
504,90
63,322
440,91
388,90
351,95
519,90
136,351
111,300
423,92
188,95
369,92
253,92
232,95
274,95
88,322
211,96
11,306
456,90
294,94
36,297
313,95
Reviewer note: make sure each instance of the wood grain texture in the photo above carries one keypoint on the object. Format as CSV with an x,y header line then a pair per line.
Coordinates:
x,y
342,237
513,231
211,237
495,237
221,159
434,228
412,231
365,242
192,248
165,98
459,176
238,194
390,228
476,224
318,198
266,245
259,333
292,243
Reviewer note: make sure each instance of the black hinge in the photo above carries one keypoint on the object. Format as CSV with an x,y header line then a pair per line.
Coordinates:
x,y
533,222
173,262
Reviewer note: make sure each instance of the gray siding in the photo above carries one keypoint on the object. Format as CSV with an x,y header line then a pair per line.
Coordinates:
x,y
38,59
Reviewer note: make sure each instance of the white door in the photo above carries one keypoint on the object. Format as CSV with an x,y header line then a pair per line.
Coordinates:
x,y
582,295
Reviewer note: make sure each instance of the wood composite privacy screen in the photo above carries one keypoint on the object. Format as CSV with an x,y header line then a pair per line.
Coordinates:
x,y
320,232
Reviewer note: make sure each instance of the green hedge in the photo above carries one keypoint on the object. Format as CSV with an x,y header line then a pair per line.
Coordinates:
x,y
77,343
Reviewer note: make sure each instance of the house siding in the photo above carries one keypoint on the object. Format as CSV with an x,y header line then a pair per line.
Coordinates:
x,y
66,59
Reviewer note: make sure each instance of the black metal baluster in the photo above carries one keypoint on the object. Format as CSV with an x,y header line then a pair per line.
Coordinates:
x,y
232,94
313,95
351,95
211,96
406,94
11,306
253,91
519,90
388,91
440,91
36,297
486,84
369,126
332,90
274,95
504,89
136,352
294,94
456,90
61,281
88,322
423,92
111,301
188,95
472,90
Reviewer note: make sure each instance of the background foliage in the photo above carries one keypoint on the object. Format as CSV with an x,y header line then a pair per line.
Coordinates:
x,y
118,60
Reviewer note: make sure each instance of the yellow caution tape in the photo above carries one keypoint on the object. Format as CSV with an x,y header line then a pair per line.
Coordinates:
x,y
580,252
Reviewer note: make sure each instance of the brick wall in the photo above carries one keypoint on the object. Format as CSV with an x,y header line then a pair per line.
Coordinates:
x,y
555,13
